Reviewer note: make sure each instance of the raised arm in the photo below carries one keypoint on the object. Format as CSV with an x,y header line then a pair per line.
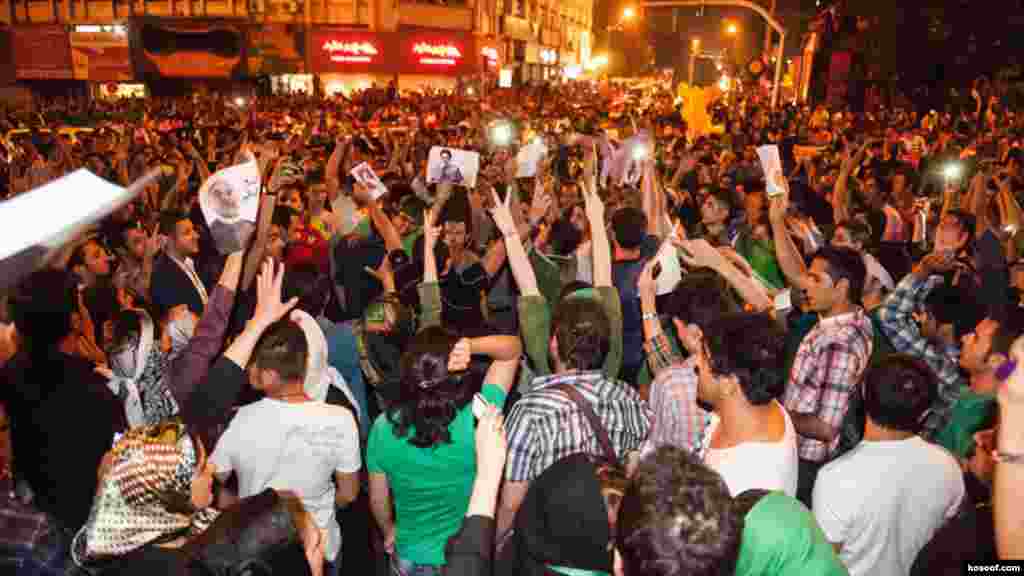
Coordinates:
x,y
392,241
790,260
841,199
189,368
699,253
331,176
602,251
522,271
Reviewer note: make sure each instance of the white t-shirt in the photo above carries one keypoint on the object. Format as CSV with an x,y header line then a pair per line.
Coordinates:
x,y
297,447
885,500
764,465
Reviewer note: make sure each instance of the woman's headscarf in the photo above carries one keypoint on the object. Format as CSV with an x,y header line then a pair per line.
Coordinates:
x,y
140,372
145,495
781,536
562,523
320,376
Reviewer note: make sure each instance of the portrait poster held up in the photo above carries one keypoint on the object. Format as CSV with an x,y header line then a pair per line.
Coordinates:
x,y
230,201
451,166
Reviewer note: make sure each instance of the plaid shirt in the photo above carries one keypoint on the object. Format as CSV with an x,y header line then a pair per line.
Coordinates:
x,y
678,420
895,317
828,365
545,425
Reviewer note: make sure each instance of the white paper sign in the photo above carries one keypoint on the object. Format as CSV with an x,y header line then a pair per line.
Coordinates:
x,y
364,174
529,158
230,201
48,215
452,166
771,163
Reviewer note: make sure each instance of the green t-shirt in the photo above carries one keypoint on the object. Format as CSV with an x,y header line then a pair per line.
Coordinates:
x,y
409,241
430,487
972,412
781,536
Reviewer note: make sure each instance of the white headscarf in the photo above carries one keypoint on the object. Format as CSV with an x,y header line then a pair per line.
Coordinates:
x,y
320,376
128,366
139,378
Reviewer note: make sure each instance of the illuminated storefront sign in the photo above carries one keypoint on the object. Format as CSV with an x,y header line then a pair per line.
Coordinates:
x,y
491,54
436,54
360,52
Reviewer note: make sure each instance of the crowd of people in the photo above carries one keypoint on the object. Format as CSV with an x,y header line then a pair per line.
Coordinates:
x,y
635,353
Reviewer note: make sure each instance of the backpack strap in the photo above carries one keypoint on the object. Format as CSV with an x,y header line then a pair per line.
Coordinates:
x,y
595,422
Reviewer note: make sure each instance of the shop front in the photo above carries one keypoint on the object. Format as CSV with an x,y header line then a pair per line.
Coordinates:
x,y
438,59
102,59
42,58
520,49
350,60
550,71
172,55
276,56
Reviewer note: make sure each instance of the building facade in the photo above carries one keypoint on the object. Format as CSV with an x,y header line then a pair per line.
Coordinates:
x,y
111,47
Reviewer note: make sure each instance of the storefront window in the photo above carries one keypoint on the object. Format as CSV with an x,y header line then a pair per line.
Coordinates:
x,y
292,84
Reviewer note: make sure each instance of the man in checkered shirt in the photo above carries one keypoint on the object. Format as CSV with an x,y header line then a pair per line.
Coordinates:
x,y
545,425
830,360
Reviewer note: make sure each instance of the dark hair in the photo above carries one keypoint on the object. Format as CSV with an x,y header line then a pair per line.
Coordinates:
x,y
283,349
583,332
78,254
701,298
968,223
305,282
127,325
169,222
630,227
564,238
1010,327
860,232
41,309
845,264
282,216
725,197
430,397
898,390
457,209
749,347
677,518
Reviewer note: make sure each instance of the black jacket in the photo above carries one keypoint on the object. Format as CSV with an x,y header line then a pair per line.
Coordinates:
x,y
171,287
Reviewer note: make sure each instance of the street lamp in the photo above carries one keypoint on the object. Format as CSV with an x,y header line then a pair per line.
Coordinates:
x,y
731,29
628,13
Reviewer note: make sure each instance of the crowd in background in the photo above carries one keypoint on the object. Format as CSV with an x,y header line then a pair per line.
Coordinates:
x,y
633,354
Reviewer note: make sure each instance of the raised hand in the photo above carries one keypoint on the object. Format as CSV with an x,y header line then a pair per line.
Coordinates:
x,y
645,283
699,253
384,274
269,308
458,359
502,214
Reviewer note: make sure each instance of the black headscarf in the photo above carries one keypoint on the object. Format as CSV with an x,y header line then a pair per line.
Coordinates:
x,y
563,521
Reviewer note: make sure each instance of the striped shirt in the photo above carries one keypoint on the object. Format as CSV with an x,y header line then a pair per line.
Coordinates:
x,y
896,319
678,419
546,426
828,365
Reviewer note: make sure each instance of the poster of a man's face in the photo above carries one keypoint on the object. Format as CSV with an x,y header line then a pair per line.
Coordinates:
x,y
229,200
446,165
364,174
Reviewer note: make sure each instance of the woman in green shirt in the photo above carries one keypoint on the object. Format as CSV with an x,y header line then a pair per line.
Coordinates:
x,y
421,455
